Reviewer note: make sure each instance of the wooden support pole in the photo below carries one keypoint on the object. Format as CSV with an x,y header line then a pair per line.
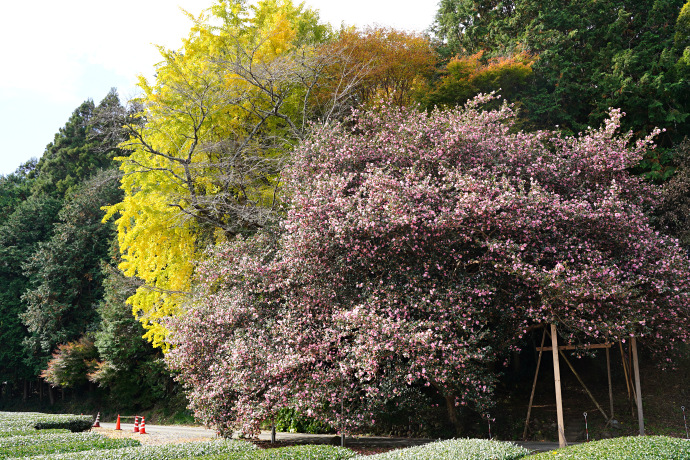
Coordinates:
x,y
636,365
608,373
534,386
557,383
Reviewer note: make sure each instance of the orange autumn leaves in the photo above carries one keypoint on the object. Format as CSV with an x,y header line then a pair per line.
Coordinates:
x,y
466,76
391,64
405,68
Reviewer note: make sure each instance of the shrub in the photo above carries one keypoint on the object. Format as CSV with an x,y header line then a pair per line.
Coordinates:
x,y
455,449
74,423
416,252
292,421
629,448
71,363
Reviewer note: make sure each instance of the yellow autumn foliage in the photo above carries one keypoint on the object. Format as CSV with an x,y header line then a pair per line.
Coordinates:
x,y
200,107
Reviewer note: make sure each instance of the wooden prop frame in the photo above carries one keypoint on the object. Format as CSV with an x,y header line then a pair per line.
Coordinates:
x,y
558,350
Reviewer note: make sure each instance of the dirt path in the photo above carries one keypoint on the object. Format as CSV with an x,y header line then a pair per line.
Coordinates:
x,y
158,434
171,434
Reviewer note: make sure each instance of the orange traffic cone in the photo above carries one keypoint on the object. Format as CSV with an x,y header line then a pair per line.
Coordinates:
x,y
97,423
117,425
142,428
136,424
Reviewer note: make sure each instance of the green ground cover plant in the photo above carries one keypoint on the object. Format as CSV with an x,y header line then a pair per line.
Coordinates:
x,y
310,452
18,421
454,449
628,448
28,446
57,443
26,421
31,432
160,452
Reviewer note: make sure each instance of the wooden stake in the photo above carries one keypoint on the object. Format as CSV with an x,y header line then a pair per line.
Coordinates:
x,y
628,380
534,386
625,369
608,373
636,364
557,383
631,372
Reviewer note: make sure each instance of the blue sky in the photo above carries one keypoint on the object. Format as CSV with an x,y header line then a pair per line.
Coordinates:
x,y
58,54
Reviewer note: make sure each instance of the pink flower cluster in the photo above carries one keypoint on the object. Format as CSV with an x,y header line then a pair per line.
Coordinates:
x,y
417,250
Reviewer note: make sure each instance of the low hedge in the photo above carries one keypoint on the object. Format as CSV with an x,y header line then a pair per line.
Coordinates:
x,y
57,443
457,449
629,448
74,423
159,452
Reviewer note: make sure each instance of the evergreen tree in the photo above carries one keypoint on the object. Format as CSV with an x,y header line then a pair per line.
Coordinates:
x,y
133,372
56,267
86,144
20,234
590,56
15,187
66,268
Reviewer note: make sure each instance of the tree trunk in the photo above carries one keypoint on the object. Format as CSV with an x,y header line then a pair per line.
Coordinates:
x,y
26,390
453,414
51,396
170,386
515,361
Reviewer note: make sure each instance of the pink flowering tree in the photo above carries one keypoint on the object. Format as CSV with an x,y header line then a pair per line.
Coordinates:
x,y
417,250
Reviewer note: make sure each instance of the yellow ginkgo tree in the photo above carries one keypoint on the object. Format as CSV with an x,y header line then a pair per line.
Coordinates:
x,y
207,149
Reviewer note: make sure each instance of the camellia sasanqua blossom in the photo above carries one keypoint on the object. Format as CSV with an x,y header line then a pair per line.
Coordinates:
x,y
417,250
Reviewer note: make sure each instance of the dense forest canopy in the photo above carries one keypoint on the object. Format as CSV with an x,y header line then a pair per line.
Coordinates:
x,y
590,56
